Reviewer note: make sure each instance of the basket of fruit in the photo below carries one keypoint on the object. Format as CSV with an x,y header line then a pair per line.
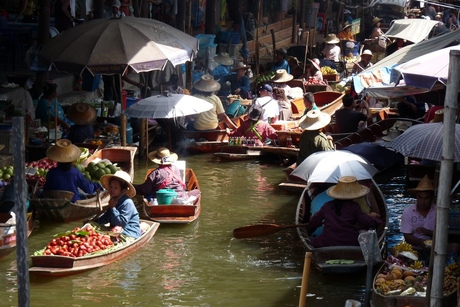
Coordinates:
x,y
330,74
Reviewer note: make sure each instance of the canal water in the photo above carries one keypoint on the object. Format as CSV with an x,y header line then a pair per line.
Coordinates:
x,y
201,264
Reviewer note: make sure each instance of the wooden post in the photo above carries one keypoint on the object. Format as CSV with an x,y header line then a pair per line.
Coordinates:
x,y
305,277
21,214
143,136
274,44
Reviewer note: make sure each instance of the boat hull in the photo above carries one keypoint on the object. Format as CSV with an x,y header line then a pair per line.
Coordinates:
x,y
8,242
61,265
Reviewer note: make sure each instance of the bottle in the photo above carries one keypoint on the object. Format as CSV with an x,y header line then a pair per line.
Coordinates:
x,y
289,141
129,133
230,141
153,202
243,141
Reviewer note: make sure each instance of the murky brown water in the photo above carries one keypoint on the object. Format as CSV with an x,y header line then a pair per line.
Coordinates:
x,y
201,264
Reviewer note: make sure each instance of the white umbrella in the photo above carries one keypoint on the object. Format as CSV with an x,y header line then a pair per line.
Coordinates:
x,y
168,106
329,166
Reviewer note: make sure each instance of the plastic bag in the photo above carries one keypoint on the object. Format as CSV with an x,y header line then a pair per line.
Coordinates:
x,y
369,246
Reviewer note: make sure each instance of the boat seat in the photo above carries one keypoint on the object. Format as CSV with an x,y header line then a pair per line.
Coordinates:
x,y
58,194
367,135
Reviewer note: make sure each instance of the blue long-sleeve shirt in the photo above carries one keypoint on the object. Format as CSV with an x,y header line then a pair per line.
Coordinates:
x,y
125,215
243,84
283,65
69,180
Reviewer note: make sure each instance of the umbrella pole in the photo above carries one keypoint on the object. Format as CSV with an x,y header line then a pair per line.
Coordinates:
x,y
169,134
55,119
122,117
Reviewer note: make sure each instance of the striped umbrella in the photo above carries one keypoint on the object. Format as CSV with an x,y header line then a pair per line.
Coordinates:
x,y
424,141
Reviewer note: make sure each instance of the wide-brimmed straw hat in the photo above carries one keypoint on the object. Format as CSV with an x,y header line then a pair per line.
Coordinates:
x,y
314,120
391,135
207,84
331,39
81,113
239,66
347,188
346,25
163,156
282,76
224,59
375,20
424,185
64,151
120,175
315,63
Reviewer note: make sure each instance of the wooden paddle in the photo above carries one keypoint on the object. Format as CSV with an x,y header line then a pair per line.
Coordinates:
x,y
261,230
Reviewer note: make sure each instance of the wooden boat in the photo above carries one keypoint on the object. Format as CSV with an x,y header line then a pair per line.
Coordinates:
x,y
177,214
322,256
326,101
61,265
8,233
414,300
56,206
122,156
280,151
239,152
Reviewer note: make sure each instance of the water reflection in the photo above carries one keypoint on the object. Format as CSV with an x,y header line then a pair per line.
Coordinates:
x,y
201,264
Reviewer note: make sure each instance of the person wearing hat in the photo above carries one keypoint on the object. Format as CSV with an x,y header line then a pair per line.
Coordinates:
x,y
364,63
417,220
115,12
254,128
266,103
342,215
63,18
65,177
121,211
347,16
280,61
331,51
347,119
376,31
205,89
83,115
165,176
48,105
239,81
312,138
314,71
346,34
280,80
284,104
225,65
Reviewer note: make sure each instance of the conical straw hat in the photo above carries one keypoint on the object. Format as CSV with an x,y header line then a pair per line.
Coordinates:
x,y
122,175
347,188
64,151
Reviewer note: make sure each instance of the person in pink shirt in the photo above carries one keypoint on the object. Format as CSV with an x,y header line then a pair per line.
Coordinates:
x,y
255,128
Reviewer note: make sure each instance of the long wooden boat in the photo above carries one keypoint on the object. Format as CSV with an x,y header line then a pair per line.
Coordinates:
x,y
177,214
8,233
417,299
325,258
61,265
122,156
326,101
57,206
239,153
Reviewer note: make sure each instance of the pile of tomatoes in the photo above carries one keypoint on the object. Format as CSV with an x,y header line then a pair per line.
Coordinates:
x,y
78,243
314,81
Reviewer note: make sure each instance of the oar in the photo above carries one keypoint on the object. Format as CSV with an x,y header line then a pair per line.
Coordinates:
x,y
261,230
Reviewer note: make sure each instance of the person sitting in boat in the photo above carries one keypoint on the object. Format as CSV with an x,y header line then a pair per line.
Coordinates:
x,y
121,210
266,103
166,176
225,65
347,119
364,64
280,61
254,128
172,86
331,51
280,81
205,89
346,34
408,107
45,110
284,103
313,73
342,214
65,177
239,82
312,139
83,115
309,102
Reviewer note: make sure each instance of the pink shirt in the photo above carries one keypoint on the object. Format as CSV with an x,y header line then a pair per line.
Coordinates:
x,y
412,220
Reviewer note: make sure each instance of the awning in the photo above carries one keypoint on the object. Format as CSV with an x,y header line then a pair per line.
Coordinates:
x,y
382,71
414,30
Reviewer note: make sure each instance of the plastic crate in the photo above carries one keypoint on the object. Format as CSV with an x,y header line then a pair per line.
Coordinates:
x,y
333,78
205,39
454,220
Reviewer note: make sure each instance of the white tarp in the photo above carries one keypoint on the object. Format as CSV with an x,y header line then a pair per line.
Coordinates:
x,y
414,30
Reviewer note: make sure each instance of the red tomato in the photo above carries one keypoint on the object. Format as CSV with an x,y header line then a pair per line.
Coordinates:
x,y
72,237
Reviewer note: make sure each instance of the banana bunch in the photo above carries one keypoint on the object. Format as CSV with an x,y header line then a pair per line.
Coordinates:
x,y
404,247
417,265
326,70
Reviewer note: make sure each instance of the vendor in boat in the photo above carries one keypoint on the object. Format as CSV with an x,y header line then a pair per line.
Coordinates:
x,y
65,177
364,64
348,119
239,82
346,34
331,51
284,104
225,65
205,89
409,107
313,73
266,104
280,80
83,115
165,176
309,102
342,214
48,106
280,61
254,128
121,211
312,138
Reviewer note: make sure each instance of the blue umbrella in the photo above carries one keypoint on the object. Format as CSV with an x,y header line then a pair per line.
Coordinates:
x,y
379,156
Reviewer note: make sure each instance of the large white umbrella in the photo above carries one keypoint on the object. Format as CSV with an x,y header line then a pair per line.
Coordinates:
x,y
329,166
168,106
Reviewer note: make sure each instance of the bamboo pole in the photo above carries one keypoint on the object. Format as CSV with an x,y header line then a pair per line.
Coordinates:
x,y
305,277
447,162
